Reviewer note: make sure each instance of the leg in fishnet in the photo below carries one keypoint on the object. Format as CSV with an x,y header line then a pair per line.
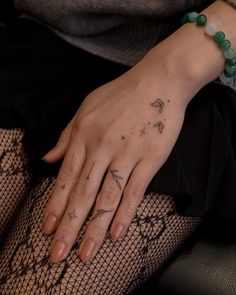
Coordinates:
x,y
14,175
119,267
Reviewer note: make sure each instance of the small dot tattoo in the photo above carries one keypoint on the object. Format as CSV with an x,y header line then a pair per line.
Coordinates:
x,y
88,177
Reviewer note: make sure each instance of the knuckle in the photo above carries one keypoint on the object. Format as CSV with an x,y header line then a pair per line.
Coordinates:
x,y
135,191
110,195
97,230
66,229
129,209
65,175
78,126
64,136
107,138
82,191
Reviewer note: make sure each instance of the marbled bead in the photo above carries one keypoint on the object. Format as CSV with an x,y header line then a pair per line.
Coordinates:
x,y
227,74
230,69
211,29
219,36
229,53
231,61
185,19
225,44
192,16
201,20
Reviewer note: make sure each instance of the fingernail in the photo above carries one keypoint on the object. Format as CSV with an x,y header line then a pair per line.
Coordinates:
x,y
44,157
118,231
87,250
49,224
58,251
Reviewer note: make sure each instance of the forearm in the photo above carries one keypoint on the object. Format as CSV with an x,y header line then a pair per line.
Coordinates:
x,y
189,56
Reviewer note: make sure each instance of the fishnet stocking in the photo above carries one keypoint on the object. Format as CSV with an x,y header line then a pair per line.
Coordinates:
x,y
14,175
119,268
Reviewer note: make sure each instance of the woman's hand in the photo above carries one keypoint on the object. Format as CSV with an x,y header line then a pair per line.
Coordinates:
x,y
123,131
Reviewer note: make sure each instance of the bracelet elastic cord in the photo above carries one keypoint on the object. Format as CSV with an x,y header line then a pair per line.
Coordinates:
x,y
211,29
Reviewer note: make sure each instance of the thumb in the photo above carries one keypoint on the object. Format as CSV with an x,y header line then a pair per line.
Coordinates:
x,y
59,150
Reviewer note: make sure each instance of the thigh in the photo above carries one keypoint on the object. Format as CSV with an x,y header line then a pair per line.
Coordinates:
x,y
15,175
119,267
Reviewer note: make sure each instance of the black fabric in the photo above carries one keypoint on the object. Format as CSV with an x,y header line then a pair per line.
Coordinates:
x,y
7,11
205,264
43,80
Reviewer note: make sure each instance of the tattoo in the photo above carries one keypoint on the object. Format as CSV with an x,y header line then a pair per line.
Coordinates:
x,y
142,131
116,178
160,126
99,213
88,177
158,103
72,215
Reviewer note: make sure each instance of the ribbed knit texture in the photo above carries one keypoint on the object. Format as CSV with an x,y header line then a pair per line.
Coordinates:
x,y
122,31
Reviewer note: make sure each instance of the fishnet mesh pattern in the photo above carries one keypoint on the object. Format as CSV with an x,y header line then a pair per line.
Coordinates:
x,y
14,175
119,267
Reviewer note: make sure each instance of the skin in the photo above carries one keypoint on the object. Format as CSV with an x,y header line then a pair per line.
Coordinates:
x,y
125,131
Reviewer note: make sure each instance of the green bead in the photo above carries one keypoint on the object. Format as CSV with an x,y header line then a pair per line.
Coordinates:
x,y
229,53
230,69
201,20
227,74
219,37
192,16
231,62
185,19
225,44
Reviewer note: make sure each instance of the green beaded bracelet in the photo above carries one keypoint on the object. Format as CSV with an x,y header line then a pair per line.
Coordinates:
x,y
218,36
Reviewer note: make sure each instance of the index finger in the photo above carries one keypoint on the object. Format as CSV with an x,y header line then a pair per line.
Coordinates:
x,y
68,175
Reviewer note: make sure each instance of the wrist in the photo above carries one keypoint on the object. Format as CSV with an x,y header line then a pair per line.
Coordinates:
x,y
189,58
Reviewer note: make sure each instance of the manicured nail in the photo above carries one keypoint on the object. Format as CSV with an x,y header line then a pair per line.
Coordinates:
x,y
87,250
49,224
118,231
45,156
58,251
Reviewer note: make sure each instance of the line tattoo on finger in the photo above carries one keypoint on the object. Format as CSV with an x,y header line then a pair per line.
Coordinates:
x,y
160,126
88,177
117,178
100,213
72,215
158,103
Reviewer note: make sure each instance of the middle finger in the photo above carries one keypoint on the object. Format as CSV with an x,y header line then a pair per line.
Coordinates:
x,y
80,202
